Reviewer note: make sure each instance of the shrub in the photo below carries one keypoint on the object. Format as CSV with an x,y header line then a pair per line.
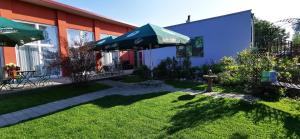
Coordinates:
x,y
245,69
250,66
229,74
142,72
171,68
288,70
270,93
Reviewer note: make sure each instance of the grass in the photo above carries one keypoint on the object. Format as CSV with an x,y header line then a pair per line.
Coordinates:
x,y
200,86
131,79
163,115
30,98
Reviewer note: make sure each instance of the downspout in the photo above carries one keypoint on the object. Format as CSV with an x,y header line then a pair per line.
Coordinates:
x,y
252,31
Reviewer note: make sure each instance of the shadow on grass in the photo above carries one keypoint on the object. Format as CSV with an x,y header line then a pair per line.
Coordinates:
x,y
291,123
239,136
202,86
206,109
105,102
186,97
119,100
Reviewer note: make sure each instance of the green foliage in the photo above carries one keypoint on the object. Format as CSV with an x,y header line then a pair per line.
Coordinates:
x,y
230,75
143,72
296,38
266,32
215,67
170,68
288,70
250,66
246,69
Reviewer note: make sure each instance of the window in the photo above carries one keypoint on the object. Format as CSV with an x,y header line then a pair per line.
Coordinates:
x,y
109,57
79,37
39,54
194,48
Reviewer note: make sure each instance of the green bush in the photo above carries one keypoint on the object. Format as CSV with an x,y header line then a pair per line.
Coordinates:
x,y
245,69
229,74
288,70
171,68
142,72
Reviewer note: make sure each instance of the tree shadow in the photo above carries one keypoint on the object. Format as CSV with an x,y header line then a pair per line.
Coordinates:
x,y
186,97
203,110
261,112
119,100
207,109
239,136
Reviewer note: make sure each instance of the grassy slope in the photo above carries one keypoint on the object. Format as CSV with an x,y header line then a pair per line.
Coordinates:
x,y
25,99
162,115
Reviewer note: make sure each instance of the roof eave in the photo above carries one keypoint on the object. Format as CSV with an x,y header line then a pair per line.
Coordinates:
x,y
77,11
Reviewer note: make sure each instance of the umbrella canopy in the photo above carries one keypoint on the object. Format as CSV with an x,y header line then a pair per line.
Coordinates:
x,y
103,44
12,33
148,36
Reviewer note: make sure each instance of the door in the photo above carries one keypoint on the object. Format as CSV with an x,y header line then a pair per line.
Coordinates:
x,y
28,58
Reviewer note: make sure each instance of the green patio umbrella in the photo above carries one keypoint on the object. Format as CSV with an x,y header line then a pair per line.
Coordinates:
x,y
103,44
13,33
148,36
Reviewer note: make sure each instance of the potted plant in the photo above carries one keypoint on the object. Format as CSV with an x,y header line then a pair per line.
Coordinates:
x,y
11,70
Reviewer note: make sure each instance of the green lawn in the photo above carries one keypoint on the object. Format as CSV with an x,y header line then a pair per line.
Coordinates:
x,y
25,99
164,115
200,86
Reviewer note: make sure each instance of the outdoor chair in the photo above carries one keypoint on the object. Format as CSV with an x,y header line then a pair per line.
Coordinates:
x,y
107,70
5,83
43,78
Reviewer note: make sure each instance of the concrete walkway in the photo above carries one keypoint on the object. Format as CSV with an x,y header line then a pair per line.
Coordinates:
x,y
118,88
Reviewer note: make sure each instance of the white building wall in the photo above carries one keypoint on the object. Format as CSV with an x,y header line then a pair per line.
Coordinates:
x,y
223,36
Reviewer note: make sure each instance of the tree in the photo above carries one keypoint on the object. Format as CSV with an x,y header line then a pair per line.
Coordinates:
x,y
296,38
293,22
80,62
266,32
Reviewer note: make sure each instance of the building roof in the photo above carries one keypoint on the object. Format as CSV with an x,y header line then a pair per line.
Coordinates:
x,y
212,18
77,11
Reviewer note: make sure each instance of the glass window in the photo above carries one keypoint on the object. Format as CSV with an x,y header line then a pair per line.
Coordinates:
x,y
50,35
195,48
77,38
39,55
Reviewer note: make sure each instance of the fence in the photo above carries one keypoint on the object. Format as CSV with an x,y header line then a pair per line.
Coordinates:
x,y
280,48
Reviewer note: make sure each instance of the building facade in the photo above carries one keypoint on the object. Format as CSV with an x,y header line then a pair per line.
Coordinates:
x,y
63,26
217,37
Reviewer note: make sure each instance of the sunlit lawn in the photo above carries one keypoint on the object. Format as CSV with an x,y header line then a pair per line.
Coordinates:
x,y
163,115
30,98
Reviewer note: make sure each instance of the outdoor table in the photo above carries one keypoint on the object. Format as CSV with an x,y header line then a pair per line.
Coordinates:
x,y
24,77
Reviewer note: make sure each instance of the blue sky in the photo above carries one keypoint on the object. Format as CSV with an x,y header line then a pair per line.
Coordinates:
x,y
170,12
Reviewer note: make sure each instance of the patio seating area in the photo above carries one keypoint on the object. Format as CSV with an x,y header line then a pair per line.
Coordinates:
x,y
29,80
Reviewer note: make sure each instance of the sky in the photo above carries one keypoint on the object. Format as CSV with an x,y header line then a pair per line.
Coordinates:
x,y
171,12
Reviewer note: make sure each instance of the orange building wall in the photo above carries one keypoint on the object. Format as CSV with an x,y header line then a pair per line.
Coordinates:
x,y
17,10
